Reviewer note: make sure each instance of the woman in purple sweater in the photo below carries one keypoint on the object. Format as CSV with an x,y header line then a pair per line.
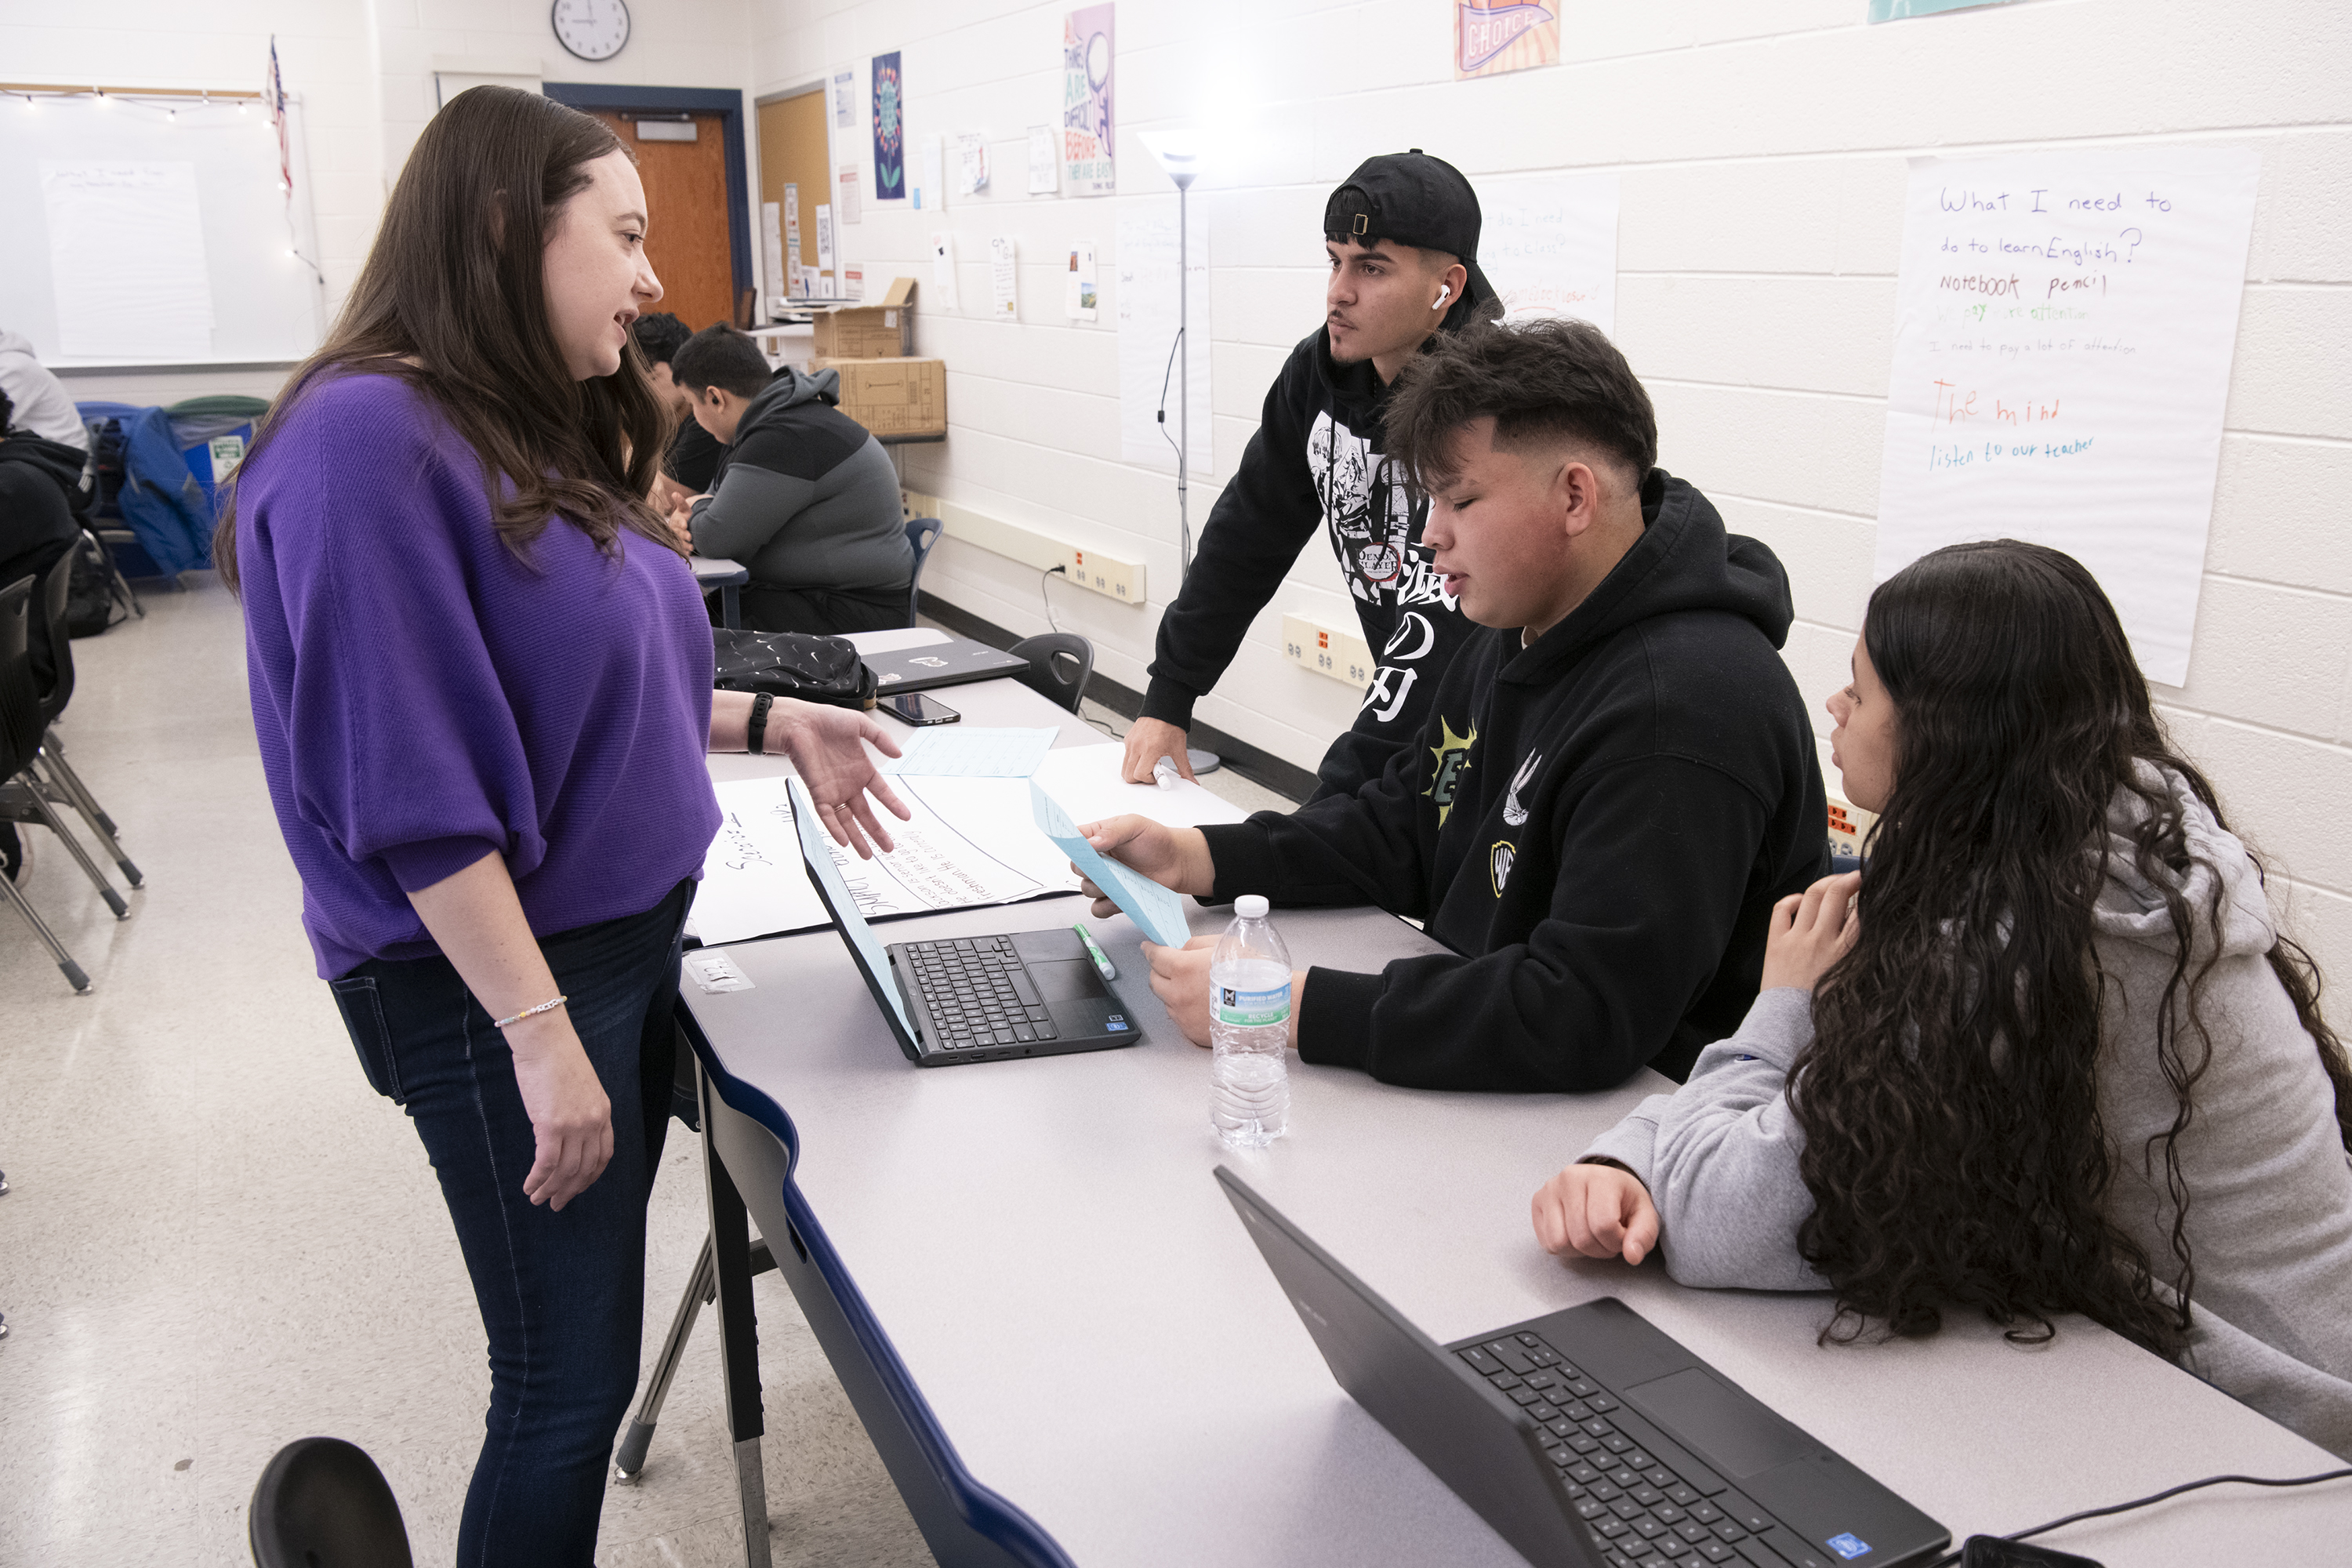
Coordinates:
x,y
481,678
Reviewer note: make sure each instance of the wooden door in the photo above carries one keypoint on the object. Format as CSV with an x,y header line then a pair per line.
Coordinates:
x,y
686,236
794,151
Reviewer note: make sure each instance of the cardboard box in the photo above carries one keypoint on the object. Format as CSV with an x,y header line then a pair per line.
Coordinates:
x,y
882,331
894,397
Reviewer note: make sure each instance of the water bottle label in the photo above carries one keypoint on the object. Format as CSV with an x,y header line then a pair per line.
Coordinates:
x,y
1250,1009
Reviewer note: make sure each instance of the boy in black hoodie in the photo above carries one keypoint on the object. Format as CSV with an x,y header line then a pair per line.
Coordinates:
x,y
1402,237
1617,779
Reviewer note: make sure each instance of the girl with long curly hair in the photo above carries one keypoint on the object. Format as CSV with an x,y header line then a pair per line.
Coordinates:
x,y
2046,1053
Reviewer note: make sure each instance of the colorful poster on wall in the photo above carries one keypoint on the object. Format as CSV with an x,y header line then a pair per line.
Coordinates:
x,y
1491,37
1087,118
1895,10
889,130
2064,322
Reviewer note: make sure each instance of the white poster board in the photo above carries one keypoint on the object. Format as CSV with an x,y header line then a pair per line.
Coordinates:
x,y
2064,328
1550,245
1148,378
127,259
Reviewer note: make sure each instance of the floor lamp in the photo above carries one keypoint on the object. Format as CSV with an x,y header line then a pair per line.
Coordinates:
x,y
1179,156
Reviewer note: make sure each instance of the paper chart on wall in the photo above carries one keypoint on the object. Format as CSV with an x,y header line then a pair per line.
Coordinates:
x,y
845,99
2063,330
127,259
972,163
932,183
772,234
1149,375
845,205
1550,245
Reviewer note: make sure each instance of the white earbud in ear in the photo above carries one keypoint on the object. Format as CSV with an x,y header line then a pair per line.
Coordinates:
x,y
1444,292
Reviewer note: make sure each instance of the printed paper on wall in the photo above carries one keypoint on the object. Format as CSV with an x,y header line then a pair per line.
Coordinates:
x,y
1150,375
2064,323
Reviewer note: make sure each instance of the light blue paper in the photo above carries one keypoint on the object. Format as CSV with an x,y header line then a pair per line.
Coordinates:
x,y
1897,10
1159,912
952,751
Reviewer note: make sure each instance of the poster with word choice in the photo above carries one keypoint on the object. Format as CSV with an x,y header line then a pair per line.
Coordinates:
x,y
2064,322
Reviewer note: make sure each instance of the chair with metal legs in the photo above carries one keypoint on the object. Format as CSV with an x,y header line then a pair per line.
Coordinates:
x,y
53,775
20,736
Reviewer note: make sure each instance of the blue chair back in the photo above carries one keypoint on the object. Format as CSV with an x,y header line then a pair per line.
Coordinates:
x,y
922,532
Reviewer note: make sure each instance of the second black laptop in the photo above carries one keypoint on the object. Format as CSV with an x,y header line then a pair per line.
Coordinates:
x,y
1589,1437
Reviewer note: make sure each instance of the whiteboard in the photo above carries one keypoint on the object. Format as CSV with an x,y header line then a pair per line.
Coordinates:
x,y
267,304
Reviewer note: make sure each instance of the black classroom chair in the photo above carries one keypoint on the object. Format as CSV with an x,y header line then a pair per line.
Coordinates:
x,y
322,1503
1059,665
20,737
922,532
52,773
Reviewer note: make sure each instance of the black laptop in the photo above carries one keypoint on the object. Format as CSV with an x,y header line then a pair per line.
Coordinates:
x,y
1590,1438
949,663
971,999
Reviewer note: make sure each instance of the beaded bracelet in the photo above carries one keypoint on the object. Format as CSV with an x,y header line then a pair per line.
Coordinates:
x,y
548,1006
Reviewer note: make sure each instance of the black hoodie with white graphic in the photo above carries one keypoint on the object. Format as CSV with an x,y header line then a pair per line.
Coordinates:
x,y
1598,826
1316,460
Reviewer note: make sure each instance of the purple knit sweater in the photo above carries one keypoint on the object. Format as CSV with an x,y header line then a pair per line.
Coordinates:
x,y
423,697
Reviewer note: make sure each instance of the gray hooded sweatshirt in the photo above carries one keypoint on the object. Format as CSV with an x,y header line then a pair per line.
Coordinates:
x,y
2270,1185
806,497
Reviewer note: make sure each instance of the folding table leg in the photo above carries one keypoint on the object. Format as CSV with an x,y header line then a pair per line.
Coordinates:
x,y
738,1336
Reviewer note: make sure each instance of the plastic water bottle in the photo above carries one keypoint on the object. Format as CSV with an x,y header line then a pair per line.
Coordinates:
x,y
1249,1030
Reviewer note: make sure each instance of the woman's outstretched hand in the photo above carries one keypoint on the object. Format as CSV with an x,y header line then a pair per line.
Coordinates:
x,y
1598,1211
827,748
1811,930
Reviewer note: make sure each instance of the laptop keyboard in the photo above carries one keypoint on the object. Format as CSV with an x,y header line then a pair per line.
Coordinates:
x,y
1641,1512
977,993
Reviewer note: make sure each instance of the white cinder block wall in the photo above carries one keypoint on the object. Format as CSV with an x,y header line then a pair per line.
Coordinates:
x,y
1762,150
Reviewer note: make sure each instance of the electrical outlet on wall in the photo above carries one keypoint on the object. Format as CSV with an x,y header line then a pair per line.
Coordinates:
x,y
1105,575
1849,825
1326,650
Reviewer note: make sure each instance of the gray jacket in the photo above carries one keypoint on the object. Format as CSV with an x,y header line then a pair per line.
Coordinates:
x,y
2270,1212
806,497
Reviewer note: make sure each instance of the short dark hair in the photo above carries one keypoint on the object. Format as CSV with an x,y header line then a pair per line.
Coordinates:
x,y
1541,380
7,411
722,357
659,336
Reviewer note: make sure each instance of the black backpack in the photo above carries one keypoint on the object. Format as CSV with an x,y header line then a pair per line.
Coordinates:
x,y
90,604
793,664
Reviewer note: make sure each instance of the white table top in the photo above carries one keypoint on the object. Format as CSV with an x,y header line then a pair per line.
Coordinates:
x,y
1100,1342
717,570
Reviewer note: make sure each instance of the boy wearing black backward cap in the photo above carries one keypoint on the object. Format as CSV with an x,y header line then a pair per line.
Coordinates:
x,y
1403,238
1614,784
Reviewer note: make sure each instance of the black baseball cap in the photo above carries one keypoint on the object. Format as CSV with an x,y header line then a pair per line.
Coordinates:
x,y
1409,197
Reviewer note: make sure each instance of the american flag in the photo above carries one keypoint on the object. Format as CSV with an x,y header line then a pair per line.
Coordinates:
x,y
274,91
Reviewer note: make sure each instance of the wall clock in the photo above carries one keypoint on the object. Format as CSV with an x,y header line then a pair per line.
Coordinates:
x,y
592,30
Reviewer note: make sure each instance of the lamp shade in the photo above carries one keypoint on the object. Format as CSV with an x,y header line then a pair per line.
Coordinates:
x,y
1181,153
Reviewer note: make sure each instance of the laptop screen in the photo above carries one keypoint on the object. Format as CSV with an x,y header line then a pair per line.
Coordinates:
x,y
817,849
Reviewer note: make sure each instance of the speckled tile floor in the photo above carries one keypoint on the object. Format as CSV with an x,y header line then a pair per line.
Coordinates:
x,y
219,1239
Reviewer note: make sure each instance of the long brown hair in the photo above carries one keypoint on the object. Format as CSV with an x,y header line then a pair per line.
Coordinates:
x,y
1954,1147
452,300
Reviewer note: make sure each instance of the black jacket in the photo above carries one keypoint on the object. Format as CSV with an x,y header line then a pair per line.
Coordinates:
x,y
38,478
1316,460
1598,826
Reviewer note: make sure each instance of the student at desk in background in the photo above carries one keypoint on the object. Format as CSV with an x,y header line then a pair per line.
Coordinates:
x,y
1617,778
2049,1053
690,462
806,498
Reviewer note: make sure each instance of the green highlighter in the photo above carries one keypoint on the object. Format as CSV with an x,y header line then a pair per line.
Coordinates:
x,y
1102,960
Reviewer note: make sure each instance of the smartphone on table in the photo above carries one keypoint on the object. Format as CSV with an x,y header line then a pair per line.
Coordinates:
x,y
919,711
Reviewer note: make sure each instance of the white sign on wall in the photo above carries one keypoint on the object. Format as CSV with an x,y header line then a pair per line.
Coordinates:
x,y
2064,324
1550,245
1150,377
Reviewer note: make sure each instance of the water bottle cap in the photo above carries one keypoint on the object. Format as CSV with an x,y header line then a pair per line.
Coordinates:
x,y
1251,906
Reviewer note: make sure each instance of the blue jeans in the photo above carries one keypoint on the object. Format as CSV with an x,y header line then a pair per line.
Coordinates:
x,y
561,1295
